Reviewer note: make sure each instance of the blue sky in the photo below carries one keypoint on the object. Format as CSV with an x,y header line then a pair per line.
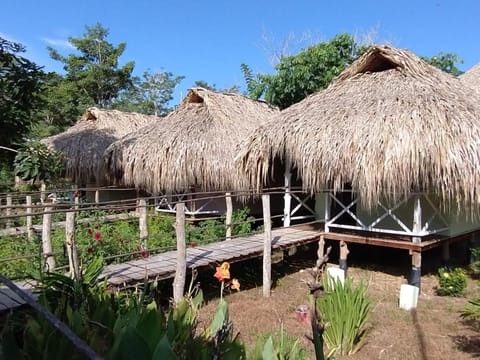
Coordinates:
x,y
208,40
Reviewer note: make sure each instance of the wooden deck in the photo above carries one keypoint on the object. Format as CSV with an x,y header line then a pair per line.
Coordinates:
x,y
163,266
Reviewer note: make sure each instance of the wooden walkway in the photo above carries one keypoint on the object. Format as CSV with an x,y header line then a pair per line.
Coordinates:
x,y
163,266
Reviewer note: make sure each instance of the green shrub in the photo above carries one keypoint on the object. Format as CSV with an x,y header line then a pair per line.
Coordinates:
x,y
471,310
346,310
475,263
451,283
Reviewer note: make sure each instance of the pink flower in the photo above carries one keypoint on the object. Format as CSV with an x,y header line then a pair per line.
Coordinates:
x,y
89,231
144,253
97,236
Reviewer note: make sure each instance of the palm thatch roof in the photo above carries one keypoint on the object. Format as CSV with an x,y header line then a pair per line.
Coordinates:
x,y
193,146
85,142
472,78
389,124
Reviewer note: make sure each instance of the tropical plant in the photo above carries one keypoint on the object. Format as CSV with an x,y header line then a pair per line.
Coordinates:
x,y
475,262
346,310
471,310
36,162
278,345
451,283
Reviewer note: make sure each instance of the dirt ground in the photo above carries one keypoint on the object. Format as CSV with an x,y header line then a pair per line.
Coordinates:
x,y
434,331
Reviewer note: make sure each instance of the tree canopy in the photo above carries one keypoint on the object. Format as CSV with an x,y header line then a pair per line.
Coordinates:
x,y
20,81
299,75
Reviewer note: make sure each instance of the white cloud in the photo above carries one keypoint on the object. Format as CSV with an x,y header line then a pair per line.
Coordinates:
x,y
58,42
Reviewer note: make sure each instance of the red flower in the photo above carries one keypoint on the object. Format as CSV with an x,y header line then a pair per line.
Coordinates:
x,y
97,236
76,193
88,225
144,253
89,250
89,231
17,229
97,226
192,245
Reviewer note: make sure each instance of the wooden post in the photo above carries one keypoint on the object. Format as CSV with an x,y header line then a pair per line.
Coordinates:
x,y
97,197
446,253
180,274
142,223
320,251
43,192
46,239
228,216
73,263
287,198
416,271
267,246
343,256
327,211
28,210
9,211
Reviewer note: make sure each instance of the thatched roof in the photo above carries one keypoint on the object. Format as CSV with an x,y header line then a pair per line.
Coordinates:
x,y
388,124
472,78
193,146
85,142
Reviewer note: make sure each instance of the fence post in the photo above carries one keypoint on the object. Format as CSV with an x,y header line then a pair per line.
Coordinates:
x,y
97,197
287,198
28,210
180,274
267,246
73,264
228,216
142,223
46,239
43,192
9,211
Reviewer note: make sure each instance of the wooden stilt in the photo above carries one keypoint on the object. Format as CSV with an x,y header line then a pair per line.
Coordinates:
x,y
267,247
228,216
320,251
343,256
287,198
180,275
416,272
46,239
446,254
142,223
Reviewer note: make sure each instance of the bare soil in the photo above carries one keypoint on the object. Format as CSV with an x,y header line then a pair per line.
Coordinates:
x,y
434,331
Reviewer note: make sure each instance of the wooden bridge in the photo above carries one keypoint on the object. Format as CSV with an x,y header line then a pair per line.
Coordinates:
x,y
163,266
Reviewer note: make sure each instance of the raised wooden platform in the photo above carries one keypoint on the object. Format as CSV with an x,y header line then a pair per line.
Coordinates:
x,y
163,266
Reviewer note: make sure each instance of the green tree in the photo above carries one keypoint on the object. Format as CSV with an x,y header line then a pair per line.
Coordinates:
x,y
299,75
149,94
446,62
93,76
20,81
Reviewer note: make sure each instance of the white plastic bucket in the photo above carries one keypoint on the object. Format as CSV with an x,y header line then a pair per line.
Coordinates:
x,y
408,297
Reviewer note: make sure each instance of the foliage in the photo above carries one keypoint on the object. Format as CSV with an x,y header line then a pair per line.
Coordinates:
x,y
346,310
475,262
471,310
20,81
93,76
213,87
35,161
116,325
445,62
278,345
302,74
149,94
451,283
